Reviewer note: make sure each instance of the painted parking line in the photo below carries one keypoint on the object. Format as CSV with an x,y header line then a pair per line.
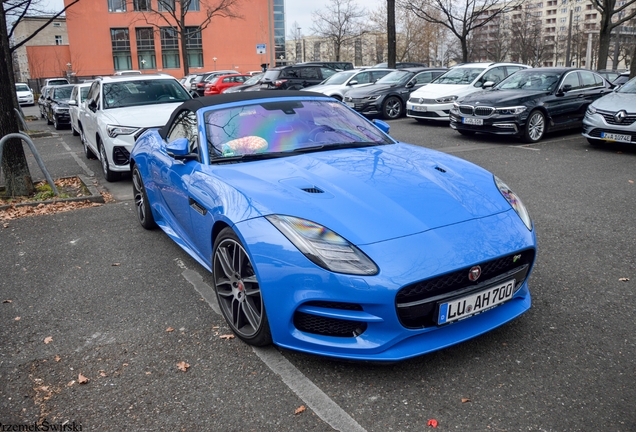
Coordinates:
x,y
324,407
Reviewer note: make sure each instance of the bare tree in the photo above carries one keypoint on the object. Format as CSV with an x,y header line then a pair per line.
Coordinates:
x,y
173,14
461,17
528,39
14,164
390,33
341,22
612,16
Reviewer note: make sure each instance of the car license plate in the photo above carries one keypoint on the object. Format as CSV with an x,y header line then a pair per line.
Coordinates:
x,y
616,137
351,104
472,121
466,306
420,108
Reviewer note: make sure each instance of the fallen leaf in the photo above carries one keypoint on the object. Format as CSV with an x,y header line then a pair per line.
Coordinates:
x,y
58,358
102,373
17,318
7,301
631,181
183,366
115,264
82,379
214,327
6,225
125,364
300,409
432,422
148,373
620,279
464,400
226,336
70,383
169,329
48,340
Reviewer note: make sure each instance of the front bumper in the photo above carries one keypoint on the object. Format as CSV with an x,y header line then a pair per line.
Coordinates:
x,y
25,100
364,106
358,315
496,125
118,150
428,111
597,126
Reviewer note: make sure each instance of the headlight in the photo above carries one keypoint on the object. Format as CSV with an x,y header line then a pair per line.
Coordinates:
x,y
372,98
114,131
511,110
59,109
446,99
591,110
324,247
515,202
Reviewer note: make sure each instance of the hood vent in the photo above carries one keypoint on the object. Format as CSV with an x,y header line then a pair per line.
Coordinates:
x,y
313,190
440,169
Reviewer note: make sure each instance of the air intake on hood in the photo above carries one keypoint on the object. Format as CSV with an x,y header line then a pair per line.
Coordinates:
x,y
313,190
440,169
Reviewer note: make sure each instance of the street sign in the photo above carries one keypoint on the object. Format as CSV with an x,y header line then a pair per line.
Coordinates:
x,y
261,48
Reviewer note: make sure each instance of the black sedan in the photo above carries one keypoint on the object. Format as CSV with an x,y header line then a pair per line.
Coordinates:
x,y
389,94
529,103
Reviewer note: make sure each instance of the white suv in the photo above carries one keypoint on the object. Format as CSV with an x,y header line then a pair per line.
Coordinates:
x,y
118,108
435,100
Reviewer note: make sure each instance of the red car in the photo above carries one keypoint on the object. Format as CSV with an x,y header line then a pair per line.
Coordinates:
x,y
220,83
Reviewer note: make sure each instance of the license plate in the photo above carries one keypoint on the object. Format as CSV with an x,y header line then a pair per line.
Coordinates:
x,y
420,108
351,104
616,137
466,306
472,121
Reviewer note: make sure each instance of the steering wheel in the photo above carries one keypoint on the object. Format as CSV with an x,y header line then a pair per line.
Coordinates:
x,y
315,131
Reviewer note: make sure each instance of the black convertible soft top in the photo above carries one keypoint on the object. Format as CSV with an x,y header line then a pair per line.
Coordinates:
x,y
224,98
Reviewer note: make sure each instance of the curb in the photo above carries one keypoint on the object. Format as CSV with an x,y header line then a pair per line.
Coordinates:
x,y
94,196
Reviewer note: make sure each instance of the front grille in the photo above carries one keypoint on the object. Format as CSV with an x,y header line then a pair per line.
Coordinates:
x,y
596,133
315,324
466,109
121,156
479,111
429,114
417,303
609,118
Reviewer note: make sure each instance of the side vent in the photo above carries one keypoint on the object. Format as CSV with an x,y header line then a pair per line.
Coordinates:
x,y
440,169
313,190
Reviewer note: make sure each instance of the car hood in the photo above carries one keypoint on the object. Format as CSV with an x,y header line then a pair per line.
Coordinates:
x,y
501,97
373,89
616,101
366,195
432,90
140,116
24,93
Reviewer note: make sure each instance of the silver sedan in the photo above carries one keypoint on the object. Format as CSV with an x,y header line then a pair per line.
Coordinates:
x,y
612,118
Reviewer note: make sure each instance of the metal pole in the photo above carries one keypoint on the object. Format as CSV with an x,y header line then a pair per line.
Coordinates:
x,y
567,52
36,155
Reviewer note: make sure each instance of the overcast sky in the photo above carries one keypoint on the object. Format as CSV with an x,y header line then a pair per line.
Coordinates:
x,y
299,11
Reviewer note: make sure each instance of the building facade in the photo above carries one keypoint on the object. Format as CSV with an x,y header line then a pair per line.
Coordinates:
x,y
106,36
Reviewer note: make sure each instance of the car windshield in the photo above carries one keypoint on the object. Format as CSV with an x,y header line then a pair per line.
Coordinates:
x,y
338,78
143,92
628,87
62,92
254,80
282,128
463,75
58,82
395,77
22,87
531,80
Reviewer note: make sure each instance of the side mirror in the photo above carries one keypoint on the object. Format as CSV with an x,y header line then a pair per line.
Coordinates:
x,y
488,84
566,88
72,102
180,149
353,82
92,105
194,94
382,125
410,84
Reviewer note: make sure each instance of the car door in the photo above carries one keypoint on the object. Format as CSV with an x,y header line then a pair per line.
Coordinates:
x,y
569,97
593,87
171,175
74,109
90,116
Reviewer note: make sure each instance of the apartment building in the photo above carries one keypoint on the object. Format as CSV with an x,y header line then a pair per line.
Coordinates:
x,y
548,33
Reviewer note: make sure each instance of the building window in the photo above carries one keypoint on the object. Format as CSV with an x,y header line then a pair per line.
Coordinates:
x,y
165,5
194,6
58,40
564,10
146,48
577,9
170,48
116,5
316,51
141,5
56,24
194,46
120,41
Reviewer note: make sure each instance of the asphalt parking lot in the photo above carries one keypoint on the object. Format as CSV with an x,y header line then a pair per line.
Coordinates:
x,y
124,307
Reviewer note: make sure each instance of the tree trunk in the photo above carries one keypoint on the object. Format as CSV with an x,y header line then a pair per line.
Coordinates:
x,y
184,41
390,31
632,66
14,164
464,42
604,36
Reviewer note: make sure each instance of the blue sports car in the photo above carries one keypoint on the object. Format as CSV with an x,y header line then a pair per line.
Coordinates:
x,y
325,235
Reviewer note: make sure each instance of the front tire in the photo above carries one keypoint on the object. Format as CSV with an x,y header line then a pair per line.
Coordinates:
x,y
56,124
109,175
535,127
238,290
392,108
144,213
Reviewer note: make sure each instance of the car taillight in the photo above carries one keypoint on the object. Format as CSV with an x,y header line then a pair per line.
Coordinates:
x,y
279,83
200,84
207,86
